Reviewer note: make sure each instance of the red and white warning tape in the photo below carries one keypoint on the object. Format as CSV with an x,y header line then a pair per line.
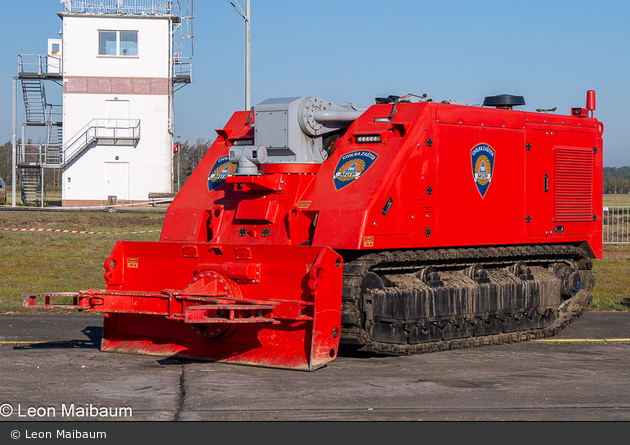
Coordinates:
x,y
132,204
79,231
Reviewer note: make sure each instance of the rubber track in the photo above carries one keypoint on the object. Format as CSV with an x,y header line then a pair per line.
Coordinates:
x,y
410,260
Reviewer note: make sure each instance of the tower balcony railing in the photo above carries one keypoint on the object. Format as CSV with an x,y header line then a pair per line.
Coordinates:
x,y
39,65
146,7
97,131
182,70
39,155
105,131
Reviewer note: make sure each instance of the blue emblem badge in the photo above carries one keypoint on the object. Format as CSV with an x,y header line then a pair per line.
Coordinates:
x,y
352,166
482,156
221,170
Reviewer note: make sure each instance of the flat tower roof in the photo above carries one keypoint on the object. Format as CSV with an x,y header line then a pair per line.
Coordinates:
x,y
119,7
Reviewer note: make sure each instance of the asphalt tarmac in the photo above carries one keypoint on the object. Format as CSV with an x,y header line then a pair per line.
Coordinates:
x,y
51,369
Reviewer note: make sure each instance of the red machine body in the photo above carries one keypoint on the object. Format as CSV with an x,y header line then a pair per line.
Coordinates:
x,y
544,186
249,267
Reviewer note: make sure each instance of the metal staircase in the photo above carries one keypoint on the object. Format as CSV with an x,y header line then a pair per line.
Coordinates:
x,y
33,158
34,96
54,144
32,190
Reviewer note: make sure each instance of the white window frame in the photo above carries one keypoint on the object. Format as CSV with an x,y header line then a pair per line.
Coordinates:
x,y
118,53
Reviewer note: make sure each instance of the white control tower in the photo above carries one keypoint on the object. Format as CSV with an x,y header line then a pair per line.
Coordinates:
x,y
119,62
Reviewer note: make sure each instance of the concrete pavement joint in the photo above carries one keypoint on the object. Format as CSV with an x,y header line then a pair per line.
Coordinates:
x,y
182,394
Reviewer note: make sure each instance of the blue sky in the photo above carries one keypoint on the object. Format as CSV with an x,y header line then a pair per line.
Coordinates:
x,y
551,52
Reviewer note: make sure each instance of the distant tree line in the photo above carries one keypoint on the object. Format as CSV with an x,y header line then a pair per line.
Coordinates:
x,y
190,156
5,162
616,180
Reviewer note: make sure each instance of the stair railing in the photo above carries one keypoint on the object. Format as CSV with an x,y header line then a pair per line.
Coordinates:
x,y
108,129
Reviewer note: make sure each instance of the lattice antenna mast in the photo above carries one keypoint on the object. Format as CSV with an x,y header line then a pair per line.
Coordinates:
x,y
187,24
184,28
181,35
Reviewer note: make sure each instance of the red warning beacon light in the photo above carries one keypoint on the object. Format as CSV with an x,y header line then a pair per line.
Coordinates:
x,y
411,226
590,106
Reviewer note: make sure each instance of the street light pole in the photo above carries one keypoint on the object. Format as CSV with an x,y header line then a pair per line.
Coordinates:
x,y
246,16
179,149
14,145
247,65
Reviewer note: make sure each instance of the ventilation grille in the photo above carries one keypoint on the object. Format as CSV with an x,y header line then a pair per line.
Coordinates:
x,y
574,184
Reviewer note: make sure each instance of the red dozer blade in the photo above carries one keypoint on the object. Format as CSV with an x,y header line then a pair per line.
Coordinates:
x,y
275,306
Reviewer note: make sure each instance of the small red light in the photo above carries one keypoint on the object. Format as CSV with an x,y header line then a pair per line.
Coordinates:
x,y
590,100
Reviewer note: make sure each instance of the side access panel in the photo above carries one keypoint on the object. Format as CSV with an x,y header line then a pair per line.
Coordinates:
x,y
480,177
540,179
563,190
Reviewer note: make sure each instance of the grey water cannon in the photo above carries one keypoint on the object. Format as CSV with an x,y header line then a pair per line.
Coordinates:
x,y
292,130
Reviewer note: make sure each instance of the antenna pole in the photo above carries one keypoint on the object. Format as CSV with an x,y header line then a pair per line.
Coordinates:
x,y
14,144
247,56
246,16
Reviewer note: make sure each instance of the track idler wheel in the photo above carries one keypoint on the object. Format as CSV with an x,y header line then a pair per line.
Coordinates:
x,y
572,284
372,281
570,278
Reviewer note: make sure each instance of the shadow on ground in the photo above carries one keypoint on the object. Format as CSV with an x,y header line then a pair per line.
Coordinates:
x,y
93,333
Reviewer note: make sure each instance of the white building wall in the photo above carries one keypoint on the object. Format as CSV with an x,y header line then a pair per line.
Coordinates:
x,y
80,36
94,84
149,161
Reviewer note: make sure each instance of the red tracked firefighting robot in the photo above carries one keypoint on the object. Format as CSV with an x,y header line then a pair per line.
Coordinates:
x,y
410,226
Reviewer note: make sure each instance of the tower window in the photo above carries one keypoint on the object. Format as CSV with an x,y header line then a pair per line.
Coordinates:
x,y
118,43
129,43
